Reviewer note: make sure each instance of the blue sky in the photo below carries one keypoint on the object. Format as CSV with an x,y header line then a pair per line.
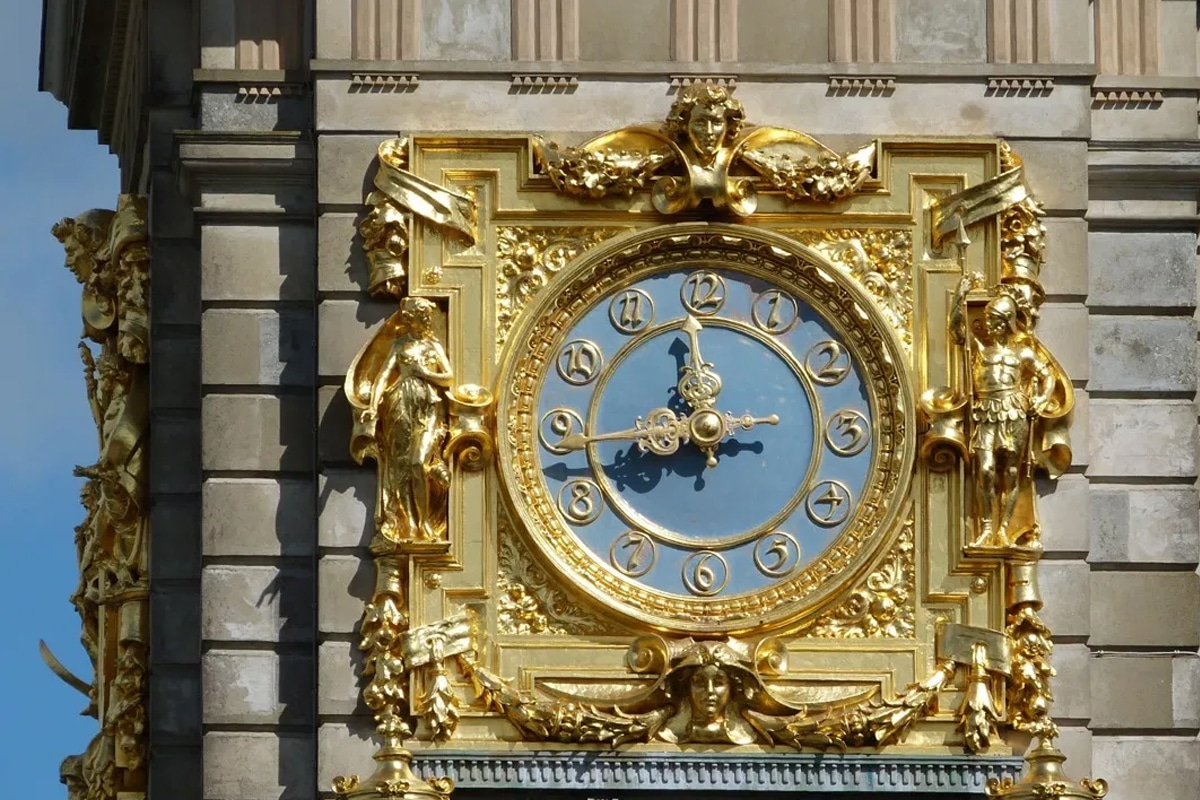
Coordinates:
x,y
46,173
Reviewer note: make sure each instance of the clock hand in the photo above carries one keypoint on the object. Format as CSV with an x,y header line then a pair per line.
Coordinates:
x,y
660,433
700,384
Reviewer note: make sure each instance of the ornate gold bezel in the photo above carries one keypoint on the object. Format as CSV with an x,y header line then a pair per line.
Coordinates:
x,y
802,270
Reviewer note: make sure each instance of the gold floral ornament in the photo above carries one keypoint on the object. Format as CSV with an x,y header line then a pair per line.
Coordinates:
x,y
108,252
526,260
527,600
879,259
704,151
884,605
385,228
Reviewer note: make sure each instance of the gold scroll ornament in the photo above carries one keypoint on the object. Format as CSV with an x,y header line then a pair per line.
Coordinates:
x,y
703,151
109,255
711,692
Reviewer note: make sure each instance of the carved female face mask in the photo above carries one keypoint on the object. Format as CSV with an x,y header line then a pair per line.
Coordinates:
x,y
706,129
709,693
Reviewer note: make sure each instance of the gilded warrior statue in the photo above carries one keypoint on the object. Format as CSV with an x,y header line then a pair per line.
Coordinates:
x,y
1013,384
396,387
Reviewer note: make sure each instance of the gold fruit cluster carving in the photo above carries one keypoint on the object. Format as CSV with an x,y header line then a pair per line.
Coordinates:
x,y
109,254
527,258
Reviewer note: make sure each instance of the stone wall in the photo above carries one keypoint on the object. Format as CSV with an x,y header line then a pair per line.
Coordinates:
x,y
261,519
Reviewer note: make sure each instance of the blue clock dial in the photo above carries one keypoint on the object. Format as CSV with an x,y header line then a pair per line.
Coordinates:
x,y
704,432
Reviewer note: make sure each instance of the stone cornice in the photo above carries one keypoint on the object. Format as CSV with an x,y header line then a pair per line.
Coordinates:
x,y
1171,163
247,174
743,70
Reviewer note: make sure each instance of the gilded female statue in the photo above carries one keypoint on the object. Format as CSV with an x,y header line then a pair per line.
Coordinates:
x,y
396,386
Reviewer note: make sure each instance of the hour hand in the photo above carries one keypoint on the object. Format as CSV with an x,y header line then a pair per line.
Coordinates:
x,y
699,384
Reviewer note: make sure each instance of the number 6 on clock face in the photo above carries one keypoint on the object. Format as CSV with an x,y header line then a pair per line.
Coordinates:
x,y
705,573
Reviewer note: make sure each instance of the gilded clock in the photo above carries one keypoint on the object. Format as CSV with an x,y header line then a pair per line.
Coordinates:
x,y
706,428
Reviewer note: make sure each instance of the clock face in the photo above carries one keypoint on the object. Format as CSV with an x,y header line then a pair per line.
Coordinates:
x,y
701,441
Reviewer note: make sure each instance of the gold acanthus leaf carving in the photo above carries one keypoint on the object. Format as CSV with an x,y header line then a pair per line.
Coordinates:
x,y
528,602
880,259
527,258
884,605
109,254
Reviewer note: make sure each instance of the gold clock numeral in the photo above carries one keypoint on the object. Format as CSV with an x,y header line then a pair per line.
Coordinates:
x,y
776,554
703,293
705,573
579,501
827,363
579,362
633,553
847,432
631,311
775,311
556,425
829,503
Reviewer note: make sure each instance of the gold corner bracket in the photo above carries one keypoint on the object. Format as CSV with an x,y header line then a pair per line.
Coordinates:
x,y
108,252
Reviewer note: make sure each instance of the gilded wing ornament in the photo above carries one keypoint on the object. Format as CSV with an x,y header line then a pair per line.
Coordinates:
x,y
619,162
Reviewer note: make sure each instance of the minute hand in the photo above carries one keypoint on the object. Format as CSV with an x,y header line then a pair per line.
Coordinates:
x,y
699,384
660,434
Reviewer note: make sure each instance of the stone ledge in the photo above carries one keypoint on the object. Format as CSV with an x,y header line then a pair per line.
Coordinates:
x,y
743,70
713,772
